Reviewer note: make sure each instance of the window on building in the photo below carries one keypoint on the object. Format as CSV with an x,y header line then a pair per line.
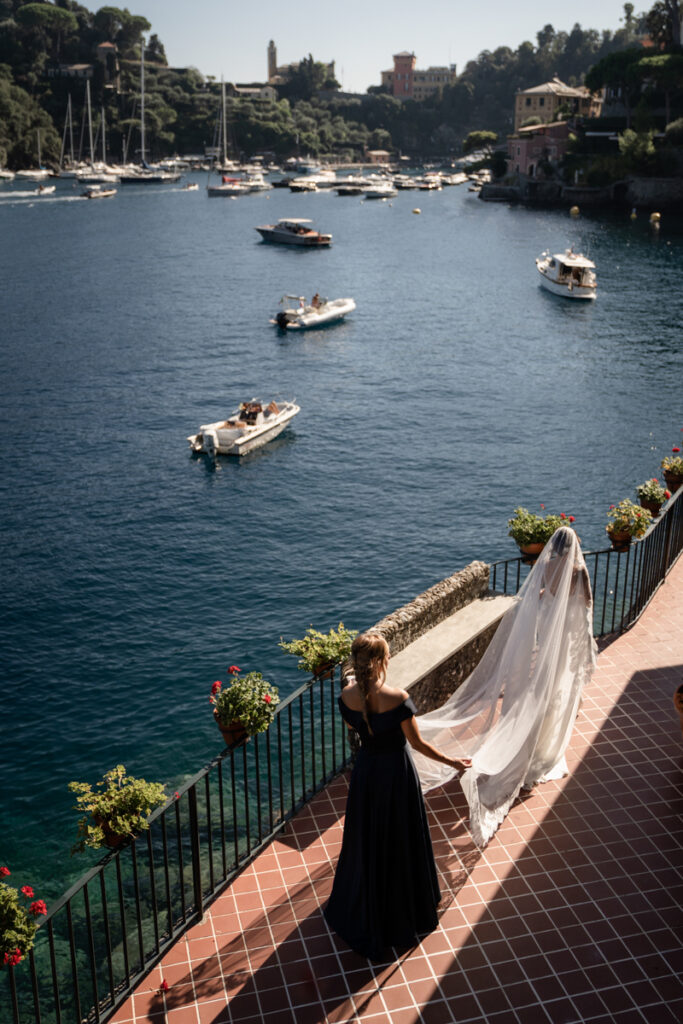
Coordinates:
x,y
541,101
528,101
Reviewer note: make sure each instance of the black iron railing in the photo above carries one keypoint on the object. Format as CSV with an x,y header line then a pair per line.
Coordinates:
x,y
623,582
101,938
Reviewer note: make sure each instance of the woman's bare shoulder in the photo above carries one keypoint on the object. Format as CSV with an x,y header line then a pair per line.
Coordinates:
x,y
351,696
391,697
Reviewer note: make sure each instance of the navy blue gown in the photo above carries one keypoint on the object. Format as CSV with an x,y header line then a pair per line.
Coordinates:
x,y
385,890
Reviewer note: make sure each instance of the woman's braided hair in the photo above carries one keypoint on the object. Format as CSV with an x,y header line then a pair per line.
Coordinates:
x,y
370,655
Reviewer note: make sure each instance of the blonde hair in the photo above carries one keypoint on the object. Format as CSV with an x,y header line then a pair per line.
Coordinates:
x,y
370,656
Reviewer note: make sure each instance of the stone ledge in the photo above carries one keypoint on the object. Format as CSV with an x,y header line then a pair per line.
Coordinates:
x,y
440,643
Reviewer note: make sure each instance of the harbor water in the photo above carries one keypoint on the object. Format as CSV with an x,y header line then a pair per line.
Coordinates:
x,y
135,573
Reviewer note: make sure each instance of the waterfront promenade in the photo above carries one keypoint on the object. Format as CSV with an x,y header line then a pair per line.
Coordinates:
x,y
572,913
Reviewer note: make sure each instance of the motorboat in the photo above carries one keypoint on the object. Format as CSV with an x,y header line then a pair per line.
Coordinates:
x,y
229,187
317,313
149,176
45,190
191,186
256,181
569,273
380,190
97,192
302,185
6,175
34,174
293,231
251,425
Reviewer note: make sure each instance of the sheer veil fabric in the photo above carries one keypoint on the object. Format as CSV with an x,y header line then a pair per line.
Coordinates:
x,y
514,714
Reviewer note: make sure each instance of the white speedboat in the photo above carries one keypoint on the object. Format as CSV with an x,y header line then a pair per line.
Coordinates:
x,y
97,192
569,273
380,190
303,185
318,313
229,187
45,190
293,231
36,174
248,427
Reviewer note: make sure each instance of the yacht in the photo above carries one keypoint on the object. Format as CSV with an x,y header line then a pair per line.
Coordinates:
x,y
569,273
316,314
293,231
229,187
380,190
251,425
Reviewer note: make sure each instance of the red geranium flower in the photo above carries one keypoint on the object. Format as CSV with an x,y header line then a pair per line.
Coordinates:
x,y
4,871
267,698
655,480
13,958
675,449
27,891
571,519
176,795
164,985
562,515
612,506
667,494
233,670
542,506
216,687
38,907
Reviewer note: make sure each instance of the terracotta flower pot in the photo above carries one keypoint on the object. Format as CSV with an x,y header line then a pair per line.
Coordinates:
x,y
234,734
673,480
678,703
326,668
530,552
651,506
112,840
621,539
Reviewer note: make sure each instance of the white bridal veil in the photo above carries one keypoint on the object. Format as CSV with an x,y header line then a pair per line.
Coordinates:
x,y
514,714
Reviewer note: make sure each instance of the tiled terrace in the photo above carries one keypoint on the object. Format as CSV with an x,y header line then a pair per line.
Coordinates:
x,y
572,913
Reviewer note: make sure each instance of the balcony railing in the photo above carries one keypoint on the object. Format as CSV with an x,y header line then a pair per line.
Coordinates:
x,y
103,936
623,582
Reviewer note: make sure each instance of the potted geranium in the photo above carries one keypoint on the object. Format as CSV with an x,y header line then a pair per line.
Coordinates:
x,y
116,809
673,469
628,521
652,495
18,912
318,652
532,532
246,705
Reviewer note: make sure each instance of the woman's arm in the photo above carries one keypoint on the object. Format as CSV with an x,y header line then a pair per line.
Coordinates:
x,y
412,734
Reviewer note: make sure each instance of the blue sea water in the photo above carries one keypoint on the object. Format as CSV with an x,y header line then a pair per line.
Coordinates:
x,y
134,574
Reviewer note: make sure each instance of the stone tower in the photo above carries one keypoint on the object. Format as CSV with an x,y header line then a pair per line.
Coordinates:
x,y
272,60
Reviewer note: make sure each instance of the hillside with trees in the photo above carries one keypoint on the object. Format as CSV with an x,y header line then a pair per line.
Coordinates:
x,y
39,39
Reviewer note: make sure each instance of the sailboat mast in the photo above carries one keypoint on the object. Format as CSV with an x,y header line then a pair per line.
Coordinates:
x,y
87,100
225,145
66,125
71,130
142,99
104,141
40,163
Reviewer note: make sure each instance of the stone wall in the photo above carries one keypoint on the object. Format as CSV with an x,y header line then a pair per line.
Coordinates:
x,y
433,606
433,689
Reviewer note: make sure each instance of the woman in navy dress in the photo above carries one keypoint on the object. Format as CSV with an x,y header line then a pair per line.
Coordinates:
x,y
385,891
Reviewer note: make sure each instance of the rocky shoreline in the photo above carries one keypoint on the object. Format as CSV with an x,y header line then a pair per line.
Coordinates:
x,y
639,192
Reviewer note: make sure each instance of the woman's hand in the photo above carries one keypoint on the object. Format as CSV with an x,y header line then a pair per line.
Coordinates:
x,y
461,762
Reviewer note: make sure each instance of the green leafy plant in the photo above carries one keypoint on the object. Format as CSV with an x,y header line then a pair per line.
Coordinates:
x,y
316,651
18,912
115,810
673,463
528,528
653,491
628,518
249,699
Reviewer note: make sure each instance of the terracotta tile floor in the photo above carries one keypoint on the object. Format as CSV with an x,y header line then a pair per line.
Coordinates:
x,y
572,913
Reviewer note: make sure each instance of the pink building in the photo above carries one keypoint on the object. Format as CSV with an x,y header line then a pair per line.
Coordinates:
x,y
536,144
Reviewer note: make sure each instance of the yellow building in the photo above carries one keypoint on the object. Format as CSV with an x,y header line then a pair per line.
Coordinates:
x,y
544,101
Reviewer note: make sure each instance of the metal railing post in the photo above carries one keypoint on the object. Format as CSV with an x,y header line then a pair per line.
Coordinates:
x,y
196,853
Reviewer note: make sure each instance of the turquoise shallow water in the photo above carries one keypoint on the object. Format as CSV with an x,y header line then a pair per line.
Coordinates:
x,y
135,574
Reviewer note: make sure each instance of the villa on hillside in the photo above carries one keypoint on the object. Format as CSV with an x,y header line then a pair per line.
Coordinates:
x,y
405,82
546,100
537,144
